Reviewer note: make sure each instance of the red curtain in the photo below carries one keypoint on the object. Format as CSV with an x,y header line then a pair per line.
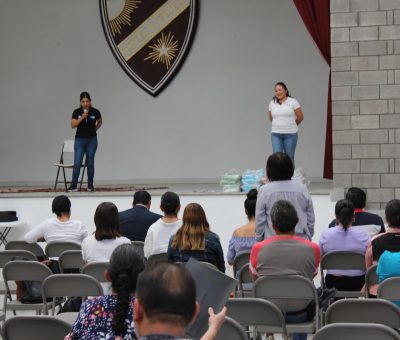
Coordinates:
x,y
316,17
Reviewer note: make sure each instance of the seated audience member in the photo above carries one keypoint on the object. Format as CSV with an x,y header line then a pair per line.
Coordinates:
x,y
99,247
58,228
388,266
194,239
285,254
344,237
166,303
281,187
111,316
390,240
135,222
159,233
244,237
371,223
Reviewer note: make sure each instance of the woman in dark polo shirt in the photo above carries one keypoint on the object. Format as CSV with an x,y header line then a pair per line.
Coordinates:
x,y
87,120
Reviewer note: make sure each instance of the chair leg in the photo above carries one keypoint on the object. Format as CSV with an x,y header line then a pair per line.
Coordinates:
x,y
65,180
55,184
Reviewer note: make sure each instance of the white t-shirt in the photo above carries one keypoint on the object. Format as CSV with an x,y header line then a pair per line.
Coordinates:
x,y
53,229
100,251
158,236
283,115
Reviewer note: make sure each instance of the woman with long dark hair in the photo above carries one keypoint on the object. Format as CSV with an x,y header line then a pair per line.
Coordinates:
x,y
87,120
285,115
111,316
194,239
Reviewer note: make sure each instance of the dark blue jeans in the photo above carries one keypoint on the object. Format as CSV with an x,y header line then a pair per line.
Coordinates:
x,y
297,319
82,147
284,142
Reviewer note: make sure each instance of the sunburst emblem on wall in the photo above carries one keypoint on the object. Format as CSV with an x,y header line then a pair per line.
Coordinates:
x,y
164,50
123,16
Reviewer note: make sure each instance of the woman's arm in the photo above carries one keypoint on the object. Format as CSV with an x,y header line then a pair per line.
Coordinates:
x,y
299,115
99,123
270,116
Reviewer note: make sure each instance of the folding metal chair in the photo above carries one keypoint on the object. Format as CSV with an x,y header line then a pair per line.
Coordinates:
x,y
54,249
96,270
355,331
342,260
35,328
389,289
245,281
68,151
153,259
231,330
364,311
22,245
68,285
290,294
139,246
71,261
254,312
240,260
371,278
23,271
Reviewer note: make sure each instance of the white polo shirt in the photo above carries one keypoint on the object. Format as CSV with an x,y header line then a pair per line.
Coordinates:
x,y
283,115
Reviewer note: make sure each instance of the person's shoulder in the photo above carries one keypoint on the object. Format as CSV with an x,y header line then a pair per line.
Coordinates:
x,y
308,243
370,216
88,240
94,110
123,240
293,102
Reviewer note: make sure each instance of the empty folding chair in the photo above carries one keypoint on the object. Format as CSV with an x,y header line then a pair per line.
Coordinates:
x,y
290,294
35,328
257,313
71,261
342,260
32,247
364,311
23,271
96,270
68,285
139,246
389,289
356,331
231,330
54,249
371,278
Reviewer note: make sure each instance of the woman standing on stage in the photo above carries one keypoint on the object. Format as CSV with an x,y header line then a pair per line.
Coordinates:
x,y
285,115
87,120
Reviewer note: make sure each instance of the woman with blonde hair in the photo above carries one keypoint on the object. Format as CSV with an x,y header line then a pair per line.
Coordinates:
x,y
194,239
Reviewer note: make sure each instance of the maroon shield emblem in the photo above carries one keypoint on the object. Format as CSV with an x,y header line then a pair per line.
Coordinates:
x,y
149,38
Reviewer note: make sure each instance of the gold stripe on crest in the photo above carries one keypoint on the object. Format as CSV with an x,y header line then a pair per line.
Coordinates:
x,y
151,27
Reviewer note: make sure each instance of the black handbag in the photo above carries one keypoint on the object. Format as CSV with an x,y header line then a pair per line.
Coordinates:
x,y
8,216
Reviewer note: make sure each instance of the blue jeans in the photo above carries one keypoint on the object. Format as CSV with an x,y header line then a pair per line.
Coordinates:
x,y
297,319
88,147
284,142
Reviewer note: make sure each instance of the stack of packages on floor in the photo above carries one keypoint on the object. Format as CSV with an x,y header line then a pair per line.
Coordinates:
x,y
252,179
230,181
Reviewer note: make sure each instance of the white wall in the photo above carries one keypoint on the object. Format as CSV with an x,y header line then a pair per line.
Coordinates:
x,y
212,117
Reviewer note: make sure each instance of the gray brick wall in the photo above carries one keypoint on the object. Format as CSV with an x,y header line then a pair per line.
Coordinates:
x,y
365,50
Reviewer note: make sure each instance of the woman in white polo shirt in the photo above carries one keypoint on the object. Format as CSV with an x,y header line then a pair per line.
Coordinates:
x,y
285,115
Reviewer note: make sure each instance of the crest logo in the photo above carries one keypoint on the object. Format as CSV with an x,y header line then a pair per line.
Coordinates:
x,y
149,38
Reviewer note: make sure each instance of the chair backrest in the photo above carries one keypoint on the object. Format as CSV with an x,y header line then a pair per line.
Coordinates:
x,y
139,247
256,312
343,260
70,260
389,289
240,260
8,255
289,293
96,270
364,311
231,330
22,245
244,277
355,331
25,271
68,146
153,259
54,249
35,328
371,278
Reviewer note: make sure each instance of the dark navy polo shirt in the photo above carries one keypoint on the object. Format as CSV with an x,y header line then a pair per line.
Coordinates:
x,y
86,128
